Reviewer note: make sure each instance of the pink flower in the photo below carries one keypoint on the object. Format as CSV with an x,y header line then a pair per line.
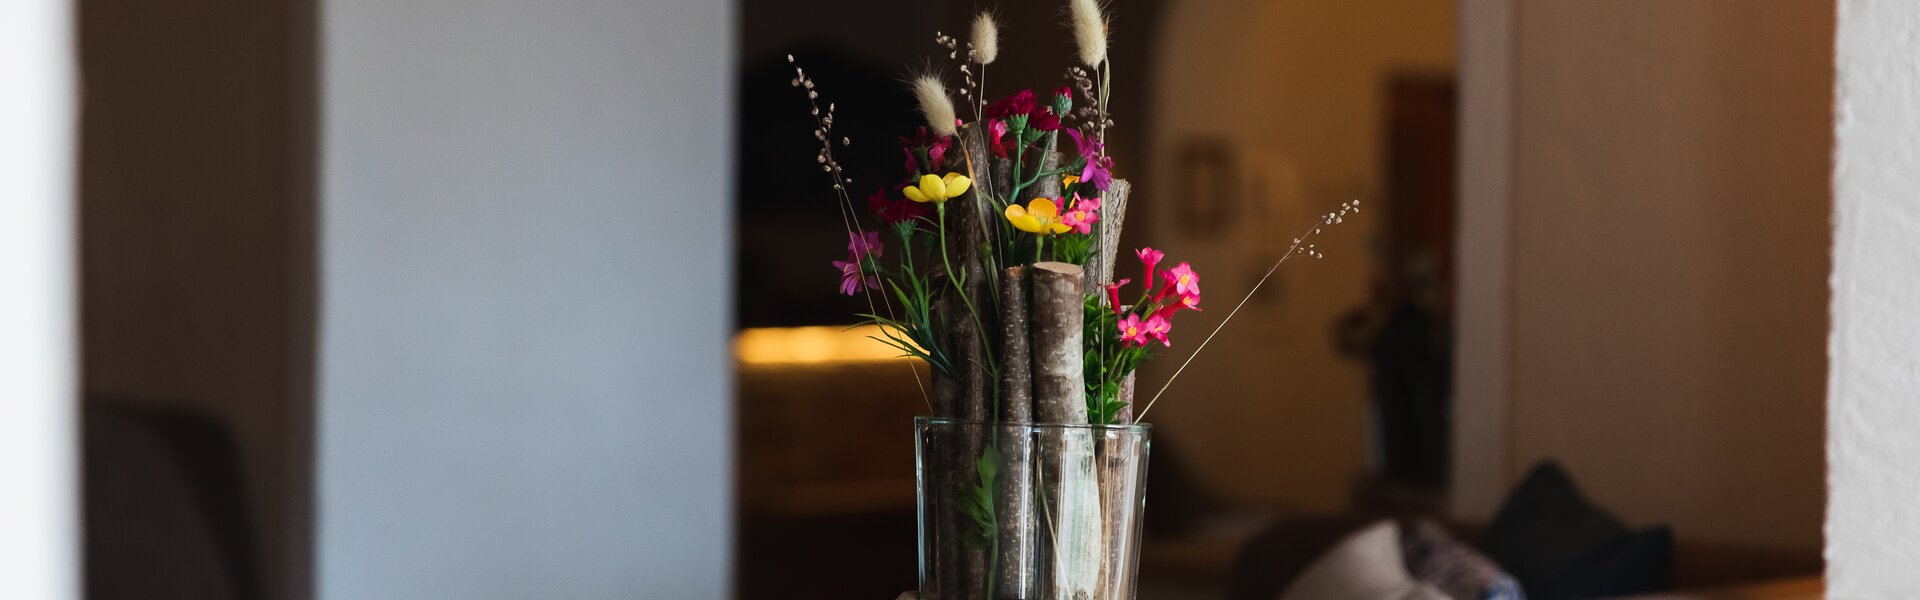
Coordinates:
x,y
1082,215
859,246
1132,331
1151,258
850,279
997,129
1187,302
1158,326
1113,294
1182,280
935,146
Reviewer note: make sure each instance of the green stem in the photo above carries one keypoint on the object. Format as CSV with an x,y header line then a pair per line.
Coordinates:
x,y
1037,176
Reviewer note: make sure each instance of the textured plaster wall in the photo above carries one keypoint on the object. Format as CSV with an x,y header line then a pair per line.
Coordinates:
x,y
1873,431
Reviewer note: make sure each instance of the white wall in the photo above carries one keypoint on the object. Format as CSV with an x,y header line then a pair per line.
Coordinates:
x,y
1873,530
524,287
39,550
1664,302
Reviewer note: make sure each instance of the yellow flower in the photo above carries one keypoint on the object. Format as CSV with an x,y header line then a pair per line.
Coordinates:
x,y
1040,216
936,189
1068,181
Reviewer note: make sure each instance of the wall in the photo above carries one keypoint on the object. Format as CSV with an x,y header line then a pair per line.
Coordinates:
x,y
1271,414
522,378
195,217
1871,526
1667,214
39,554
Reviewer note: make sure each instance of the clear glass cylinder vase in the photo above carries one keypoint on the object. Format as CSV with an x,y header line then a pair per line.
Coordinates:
x,y
1020,511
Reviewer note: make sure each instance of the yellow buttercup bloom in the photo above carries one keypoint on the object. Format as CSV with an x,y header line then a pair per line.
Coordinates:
x,y
1069,180
937,189
1040,216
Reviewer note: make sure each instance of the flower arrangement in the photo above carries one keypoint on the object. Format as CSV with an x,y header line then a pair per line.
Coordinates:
x,y
1004,232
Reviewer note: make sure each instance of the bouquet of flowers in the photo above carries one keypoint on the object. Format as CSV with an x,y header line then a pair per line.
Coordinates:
x,y
993,260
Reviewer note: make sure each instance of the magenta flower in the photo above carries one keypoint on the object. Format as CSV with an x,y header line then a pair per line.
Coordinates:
x,y
862,246
1113,294
850,279
1021,103
1158,327
1151,259
997,129
1082,215
1044,120
1099,169
1182,280
1188,302
1098,172
935,146
1132,331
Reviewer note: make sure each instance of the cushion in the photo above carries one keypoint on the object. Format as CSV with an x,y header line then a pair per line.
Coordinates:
x,y
1436,558
1562,547
1363,566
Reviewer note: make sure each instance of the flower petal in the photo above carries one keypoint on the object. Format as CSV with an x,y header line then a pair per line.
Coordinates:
x,y
957,184
1043,208
1017,215
932,188
913,193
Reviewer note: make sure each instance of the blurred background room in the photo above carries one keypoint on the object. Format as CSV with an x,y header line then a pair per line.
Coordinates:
x,y
507,299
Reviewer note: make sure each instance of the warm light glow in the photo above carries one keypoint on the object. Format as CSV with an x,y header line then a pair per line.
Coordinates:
x,y
811,345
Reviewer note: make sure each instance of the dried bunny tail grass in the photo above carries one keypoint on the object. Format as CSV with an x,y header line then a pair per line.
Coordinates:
x,y
986,38
934,104
1089,30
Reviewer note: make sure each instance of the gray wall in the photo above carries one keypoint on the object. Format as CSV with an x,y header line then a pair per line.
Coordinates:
x,y
524,291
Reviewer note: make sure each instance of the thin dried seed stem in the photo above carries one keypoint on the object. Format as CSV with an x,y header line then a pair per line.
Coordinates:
x,y
824,132
1328,219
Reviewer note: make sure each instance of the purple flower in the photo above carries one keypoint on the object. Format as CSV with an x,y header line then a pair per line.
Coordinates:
x,y
862,246
850,279
1099,170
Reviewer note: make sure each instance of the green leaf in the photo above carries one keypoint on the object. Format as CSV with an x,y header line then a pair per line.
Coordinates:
x,y
976,502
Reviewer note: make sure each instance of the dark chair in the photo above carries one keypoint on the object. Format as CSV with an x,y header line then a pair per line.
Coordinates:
x,y
165,506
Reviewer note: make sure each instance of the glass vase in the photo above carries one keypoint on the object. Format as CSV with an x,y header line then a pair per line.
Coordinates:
x,y
1019,511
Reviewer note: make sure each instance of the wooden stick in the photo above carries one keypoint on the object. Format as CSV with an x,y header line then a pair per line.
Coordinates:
x,y
948,566
1116,497
1066,454
1016,577
973,315
1059,317
1047,186
1113,214
1119,489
